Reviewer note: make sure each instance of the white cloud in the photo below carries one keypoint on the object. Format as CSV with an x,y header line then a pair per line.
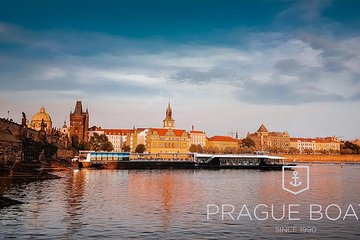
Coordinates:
x,y
229,85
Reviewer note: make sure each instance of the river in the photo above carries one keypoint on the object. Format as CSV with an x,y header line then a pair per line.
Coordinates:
x,y
182,204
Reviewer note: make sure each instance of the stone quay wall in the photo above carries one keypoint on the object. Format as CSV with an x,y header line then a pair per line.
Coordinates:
x,y
24,144
323,158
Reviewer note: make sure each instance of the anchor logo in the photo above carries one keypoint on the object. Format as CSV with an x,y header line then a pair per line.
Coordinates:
x,y
295,178
296,181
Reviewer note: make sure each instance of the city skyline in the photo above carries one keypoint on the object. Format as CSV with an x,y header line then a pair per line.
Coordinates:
x,y
228,67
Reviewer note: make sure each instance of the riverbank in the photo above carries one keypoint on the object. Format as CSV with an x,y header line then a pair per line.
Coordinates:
x,y
319,158
10,179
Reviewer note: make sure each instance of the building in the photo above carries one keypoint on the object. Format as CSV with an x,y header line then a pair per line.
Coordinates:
x,y
95,129
117,137
265,140
197,137
303,144
356,142
316,145
38,118
279,141
327,145
120,137
167,139
140,136
169,122
65,130
162,140
222,143
79,124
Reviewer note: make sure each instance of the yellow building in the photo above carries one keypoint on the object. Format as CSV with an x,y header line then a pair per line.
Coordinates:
x,y
167,139
160,140
222,143
38,118
327,144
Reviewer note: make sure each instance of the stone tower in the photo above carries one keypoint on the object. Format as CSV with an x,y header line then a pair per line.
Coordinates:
x,y
79,123
169,122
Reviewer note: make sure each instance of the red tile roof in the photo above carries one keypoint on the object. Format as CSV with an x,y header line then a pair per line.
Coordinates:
x,y
194,131
223,139
163,131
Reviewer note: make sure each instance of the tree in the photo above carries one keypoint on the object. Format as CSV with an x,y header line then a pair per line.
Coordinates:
x,y
100,143
246,150
355,149
193,148
80,146
248,142
196,148
308,151
140,148
125,148
293,150
200,148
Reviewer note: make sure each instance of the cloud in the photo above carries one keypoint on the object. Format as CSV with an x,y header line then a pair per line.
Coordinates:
x,y
278,68
308,11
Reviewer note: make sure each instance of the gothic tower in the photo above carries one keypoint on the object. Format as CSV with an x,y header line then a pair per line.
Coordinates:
x,y
79,123
169,122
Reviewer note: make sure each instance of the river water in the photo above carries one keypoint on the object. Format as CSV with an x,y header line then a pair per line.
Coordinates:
x,y
183,204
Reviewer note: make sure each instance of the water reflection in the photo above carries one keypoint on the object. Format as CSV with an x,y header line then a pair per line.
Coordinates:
x,y
74,191
170,204
162,193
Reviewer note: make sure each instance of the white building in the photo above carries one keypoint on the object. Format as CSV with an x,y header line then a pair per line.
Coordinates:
x,y
197,137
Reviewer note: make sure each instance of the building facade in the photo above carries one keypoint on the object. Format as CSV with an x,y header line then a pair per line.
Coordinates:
x,y
140,136
162,140
327,145
79,124
222,143
167,139
117,137
265,140
303,144
197,137
316,145
120,137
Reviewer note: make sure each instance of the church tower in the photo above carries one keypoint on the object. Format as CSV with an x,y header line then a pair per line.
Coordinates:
x,y
79,123
169,122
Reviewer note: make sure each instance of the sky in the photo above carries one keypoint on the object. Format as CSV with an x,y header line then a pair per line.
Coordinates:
x,y
226,66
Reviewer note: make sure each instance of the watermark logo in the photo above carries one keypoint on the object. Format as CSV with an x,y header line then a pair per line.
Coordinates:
x,y
296,181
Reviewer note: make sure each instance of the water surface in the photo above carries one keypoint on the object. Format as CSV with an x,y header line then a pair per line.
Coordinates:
x,y
173,204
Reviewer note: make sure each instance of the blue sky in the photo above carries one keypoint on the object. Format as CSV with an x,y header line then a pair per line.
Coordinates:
x,y
227,66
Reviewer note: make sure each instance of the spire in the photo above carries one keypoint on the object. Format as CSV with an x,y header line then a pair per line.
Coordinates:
x,y
169,121
169,110
78,108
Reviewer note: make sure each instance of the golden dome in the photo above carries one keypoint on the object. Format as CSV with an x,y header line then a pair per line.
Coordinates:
x,y
37,119
42,115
